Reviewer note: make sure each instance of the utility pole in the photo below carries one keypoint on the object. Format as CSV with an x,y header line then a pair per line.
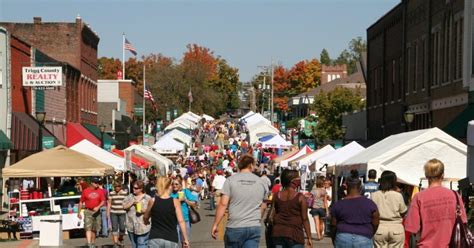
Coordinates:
x,y
271,110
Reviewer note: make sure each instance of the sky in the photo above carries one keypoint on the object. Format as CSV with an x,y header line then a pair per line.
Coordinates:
x,y
246,33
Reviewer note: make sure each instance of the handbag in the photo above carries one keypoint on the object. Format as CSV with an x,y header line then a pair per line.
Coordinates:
x,y
461,237
194,216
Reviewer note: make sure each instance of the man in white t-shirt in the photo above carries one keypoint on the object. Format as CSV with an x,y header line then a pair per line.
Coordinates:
x,y
217,185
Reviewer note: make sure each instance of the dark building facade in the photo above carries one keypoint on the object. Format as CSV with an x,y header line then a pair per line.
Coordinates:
x,y
415,65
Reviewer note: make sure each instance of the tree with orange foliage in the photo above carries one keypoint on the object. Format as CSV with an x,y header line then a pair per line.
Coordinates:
x,y
304,76
108,68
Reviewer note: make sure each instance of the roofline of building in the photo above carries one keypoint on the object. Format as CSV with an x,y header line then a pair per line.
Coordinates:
x,y
386,14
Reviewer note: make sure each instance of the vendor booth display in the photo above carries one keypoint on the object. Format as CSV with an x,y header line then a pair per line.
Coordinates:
x,y
29,208
335,158
406,153
88,148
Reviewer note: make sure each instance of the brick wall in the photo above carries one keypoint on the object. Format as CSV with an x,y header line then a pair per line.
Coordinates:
x,y
127,93
20,56
329,73
76,44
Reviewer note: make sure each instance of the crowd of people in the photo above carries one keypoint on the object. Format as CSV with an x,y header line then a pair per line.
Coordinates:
x,y
241,186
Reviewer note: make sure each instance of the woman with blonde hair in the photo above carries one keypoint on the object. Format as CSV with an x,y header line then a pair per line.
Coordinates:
x,y
433,211
166,214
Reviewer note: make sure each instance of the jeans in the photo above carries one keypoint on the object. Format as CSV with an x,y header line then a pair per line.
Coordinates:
x,y
105,223
188,232
161,243
242,237
283,242
212,204
349,240
138,241
118,223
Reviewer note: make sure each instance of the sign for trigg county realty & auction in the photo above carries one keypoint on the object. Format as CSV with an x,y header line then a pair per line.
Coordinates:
x,y
42,76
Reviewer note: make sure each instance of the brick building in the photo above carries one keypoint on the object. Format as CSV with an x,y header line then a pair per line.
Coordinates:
x,y
415,61
332,72
74,43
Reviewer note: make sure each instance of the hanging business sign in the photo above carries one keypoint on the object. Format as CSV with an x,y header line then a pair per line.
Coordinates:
x,y
43,77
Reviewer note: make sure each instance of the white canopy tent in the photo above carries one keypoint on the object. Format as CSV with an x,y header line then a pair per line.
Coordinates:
x,y
183,123
336,157
308,159
276,142
164,163
180,136
88,148
168,145
189,116
247,115
260,129
406,153
255,118
305,150
208,117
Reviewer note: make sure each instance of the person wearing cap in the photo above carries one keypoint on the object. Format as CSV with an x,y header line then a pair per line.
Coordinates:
x,y
92,199
355,218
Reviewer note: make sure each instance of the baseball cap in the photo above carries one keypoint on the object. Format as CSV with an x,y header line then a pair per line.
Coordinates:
x,y
219,172
95,180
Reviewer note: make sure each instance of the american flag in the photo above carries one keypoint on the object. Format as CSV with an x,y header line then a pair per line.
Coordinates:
x,y
190,96
128,46
148,95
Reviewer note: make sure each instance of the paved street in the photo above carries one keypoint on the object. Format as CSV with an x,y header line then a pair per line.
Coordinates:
x,y
200,236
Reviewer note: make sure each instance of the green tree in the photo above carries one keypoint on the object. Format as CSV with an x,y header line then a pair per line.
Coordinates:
x,y
324,57
351,57
330,106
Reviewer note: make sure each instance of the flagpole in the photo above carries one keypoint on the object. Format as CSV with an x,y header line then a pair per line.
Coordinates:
x,y
123,56
144,88
189,98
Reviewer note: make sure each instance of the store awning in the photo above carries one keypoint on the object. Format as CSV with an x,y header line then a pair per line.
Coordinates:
x,y
458,127
96,132
76,133
5,143
24,134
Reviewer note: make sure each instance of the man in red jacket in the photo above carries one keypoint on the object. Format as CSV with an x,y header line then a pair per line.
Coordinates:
x,y
92,199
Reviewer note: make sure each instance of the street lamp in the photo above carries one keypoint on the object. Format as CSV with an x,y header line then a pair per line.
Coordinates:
x,y
343,130
102,131
409,117
40,118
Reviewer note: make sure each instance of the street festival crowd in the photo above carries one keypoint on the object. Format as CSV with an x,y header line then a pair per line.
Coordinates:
x,y
253,199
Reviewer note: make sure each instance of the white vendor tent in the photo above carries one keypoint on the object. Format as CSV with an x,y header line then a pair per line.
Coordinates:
x,y
167,145
88,148
255,118
338,156
59,161
276,142
260,129
247,115
406,153
184,123
189,116
180,136
164,164
309,158
305,150
208,117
